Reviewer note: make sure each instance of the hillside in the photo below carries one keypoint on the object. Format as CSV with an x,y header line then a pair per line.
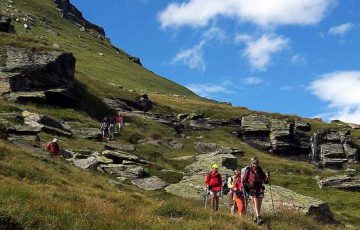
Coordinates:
x,y
168,141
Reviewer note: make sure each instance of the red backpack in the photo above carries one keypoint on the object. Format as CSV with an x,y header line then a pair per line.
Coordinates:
x,y
214,179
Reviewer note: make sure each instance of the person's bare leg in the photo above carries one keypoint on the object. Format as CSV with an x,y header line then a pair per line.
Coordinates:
x,y
259,205
253,207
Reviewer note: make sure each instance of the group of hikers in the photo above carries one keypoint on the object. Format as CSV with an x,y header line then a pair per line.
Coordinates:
x,y
111,125
247,183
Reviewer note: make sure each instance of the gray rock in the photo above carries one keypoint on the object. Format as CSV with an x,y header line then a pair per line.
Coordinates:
x,y
127,171
88,163
35,74
119,156
150,183
341,182
5,22
255,123
104,160
173,144
204,147
122,147
182,116
87,133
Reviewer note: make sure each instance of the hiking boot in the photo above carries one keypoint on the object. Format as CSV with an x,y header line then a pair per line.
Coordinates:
x,y
255,220
259,221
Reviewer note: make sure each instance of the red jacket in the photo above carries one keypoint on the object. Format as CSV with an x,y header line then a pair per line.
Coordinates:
x,y
214,180
255,179
237,185
53,147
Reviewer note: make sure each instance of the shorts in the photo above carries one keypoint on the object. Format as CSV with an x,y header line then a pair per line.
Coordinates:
x,y
257,194
215,193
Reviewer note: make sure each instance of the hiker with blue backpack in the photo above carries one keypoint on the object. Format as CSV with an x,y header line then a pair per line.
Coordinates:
x,y
253,182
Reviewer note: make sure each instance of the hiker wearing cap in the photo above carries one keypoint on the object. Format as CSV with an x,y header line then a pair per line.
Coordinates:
x,y
53,147
214,184
230,184
253,183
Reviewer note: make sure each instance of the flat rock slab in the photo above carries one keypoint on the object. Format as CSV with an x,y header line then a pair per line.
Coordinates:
x,y
127,171
341,182
150,183
88,133
122,147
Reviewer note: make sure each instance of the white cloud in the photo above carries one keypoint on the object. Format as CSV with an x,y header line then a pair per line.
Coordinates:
x,y
253,80
193,57
210,89
341,29
298,59
198,13
259,51
242,38
341,91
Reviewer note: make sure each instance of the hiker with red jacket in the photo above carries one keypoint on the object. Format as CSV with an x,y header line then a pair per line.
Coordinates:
x,y
239,195
53,147
214,184
253,183
119,122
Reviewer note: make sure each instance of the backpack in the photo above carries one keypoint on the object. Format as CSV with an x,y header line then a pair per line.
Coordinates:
x,y
214,179
243,170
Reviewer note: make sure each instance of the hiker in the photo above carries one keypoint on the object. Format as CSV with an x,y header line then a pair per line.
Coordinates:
x,y
119,122
214,184
239,195
112,127
53,147
253,180
105,127
230,183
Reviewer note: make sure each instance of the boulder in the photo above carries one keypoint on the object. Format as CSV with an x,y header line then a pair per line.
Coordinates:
x,y
173,144
135,60
280,135
104,160
87,133
150,183
204,147
36,74
87,163
143,103
285,199
182,116
45,123
341,182
200,124
127,171
5,22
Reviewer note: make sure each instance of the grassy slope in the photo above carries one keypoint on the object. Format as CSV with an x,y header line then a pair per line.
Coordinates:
x,y
71,198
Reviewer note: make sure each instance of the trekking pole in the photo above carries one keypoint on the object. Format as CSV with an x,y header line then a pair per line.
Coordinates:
x,y
272,200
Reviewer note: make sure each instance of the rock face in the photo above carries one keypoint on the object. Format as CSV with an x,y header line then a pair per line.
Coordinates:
x,y
5,22
144,103
332,148
71,13
341,182
31,73
280,136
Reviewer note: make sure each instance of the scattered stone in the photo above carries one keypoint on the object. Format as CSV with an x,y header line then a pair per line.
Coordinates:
x,y
150,183
104,160
174,144
120,156
122,147
204,147
101,54
56,46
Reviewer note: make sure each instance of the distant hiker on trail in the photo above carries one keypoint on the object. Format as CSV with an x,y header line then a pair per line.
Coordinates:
x,y
112,127
213,182
253,180
53,147
119,122
105,128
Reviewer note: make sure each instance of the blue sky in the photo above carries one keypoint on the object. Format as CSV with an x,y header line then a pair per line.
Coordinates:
x,y
289,56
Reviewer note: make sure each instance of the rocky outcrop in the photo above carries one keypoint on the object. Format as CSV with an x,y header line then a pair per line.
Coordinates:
x,y
135,60
71,13
121,170
277,135
332,148
87,133
36,74
344,182
5,22
143,103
